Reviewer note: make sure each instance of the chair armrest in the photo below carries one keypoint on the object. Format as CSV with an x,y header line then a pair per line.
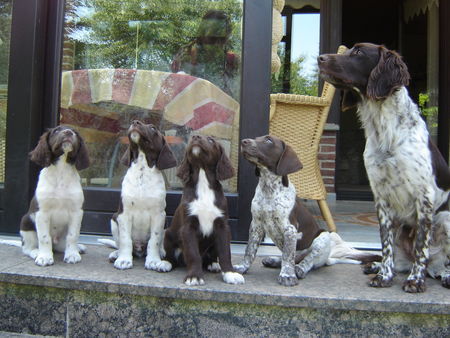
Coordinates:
x,y
299,99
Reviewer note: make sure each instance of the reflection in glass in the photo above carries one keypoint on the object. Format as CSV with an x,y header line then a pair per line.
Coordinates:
x,y
5,33
171,63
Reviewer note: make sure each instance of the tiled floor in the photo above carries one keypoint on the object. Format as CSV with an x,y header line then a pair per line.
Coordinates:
x,y
356,222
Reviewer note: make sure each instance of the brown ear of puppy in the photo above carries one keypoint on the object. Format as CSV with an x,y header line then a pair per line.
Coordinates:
x,y
288,162
390,74
184,171
166,159
82,157
42,154
128,156
224,168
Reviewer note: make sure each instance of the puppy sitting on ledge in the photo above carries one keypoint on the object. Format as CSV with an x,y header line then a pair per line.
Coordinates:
x,y
278,213
199,233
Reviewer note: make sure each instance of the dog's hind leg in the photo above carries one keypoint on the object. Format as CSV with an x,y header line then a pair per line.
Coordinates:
x,y
317,257
29,243
272,262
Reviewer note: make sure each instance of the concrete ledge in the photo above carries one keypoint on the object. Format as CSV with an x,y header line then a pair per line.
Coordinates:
x,y
93,298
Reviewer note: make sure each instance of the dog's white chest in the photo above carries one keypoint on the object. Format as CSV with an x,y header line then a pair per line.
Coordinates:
x,y
143,187
59,188
203,206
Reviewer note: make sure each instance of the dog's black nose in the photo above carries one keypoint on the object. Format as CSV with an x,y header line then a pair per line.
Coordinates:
x,y
136,122
246,141
196,137
68,132
322,58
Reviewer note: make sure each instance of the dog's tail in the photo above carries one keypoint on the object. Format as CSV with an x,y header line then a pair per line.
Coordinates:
x,y
11,242
342,252
108,242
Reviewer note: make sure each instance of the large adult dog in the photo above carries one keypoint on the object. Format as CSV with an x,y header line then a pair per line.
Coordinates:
x,y
408,176
53,220
199,234
279,213
138,226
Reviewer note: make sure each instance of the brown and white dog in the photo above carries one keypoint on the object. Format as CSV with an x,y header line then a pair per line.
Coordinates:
x,y
408,176
278,213
138,226
53,220
199,233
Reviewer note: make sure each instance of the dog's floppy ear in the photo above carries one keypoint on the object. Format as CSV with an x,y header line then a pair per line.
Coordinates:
x,y
82,156
166,159
184,171
128,157
288,162
224,168
42,154
390,74
349,100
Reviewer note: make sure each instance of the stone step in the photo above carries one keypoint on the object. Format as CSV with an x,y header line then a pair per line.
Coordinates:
x,y
92,298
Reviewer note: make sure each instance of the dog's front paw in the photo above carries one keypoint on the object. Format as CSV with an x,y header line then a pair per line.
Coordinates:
x,y
161,266
213,267
72,257
371,268
44,259
241,268
123,263
231,277
300,272
287,280
414,285
379,281
193,281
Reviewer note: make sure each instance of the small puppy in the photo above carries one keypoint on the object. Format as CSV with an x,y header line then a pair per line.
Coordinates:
x,y
53,220
278,212
138,226
199,229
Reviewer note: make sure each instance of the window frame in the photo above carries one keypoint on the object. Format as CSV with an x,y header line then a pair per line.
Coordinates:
x,y
33,106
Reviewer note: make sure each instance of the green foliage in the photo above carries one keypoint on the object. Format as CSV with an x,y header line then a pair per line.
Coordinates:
x,y
139,33
300,82
430,113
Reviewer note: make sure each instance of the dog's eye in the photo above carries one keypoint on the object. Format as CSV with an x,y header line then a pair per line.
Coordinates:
x,y
357,51
210,140
268,140
153,128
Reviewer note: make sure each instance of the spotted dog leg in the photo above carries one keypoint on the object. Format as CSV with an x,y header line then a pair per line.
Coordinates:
x,y
416,280
321,248
287,275
256,235
385,275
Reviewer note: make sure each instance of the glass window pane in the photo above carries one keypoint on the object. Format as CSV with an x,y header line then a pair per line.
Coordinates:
x,y
175,64
5,34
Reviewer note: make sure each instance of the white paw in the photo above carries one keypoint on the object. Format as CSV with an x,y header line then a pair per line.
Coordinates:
x,y
113,256
123,263
72,257
192,281
32,253
81,248
161,266
214,267
240,268
44,259
233,278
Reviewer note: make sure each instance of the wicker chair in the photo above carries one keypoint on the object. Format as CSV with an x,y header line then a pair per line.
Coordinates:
x,y
299,120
